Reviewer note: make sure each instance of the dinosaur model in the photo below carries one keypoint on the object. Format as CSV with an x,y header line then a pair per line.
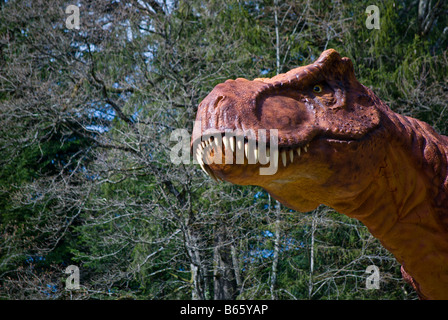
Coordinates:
x,y
341,146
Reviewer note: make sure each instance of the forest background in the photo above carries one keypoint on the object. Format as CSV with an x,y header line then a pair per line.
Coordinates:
x,y
86,116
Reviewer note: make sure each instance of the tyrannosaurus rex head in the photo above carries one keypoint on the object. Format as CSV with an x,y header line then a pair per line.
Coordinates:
x,y
318,117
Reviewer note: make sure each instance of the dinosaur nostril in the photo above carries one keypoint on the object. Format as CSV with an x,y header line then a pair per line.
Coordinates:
x,y
218,100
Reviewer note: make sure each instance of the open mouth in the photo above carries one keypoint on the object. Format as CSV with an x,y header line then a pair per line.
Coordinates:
x,y
232,149
228,150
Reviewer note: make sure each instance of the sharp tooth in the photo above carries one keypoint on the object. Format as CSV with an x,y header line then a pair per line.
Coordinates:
x,y
246,150
298,151
305,148
216,141
199,155
202,167
274,158
232,143
291,155
203,148
267,154
262,157
226,142
284,158
239,144
255,155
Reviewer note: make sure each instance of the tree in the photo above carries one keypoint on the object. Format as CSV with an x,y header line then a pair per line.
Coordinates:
x,y
86,117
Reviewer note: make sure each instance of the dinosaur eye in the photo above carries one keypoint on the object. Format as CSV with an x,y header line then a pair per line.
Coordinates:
x,y
317,88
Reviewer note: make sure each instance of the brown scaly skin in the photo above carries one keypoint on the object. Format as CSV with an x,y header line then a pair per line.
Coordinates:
x,y
387,170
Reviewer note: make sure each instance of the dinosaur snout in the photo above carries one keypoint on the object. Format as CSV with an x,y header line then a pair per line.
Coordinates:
x,y
230,106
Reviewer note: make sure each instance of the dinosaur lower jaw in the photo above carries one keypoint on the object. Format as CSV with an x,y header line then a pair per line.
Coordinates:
x,y
240,161
300,176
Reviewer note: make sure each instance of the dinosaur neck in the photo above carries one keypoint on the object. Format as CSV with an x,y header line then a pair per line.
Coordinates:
x,y
406,205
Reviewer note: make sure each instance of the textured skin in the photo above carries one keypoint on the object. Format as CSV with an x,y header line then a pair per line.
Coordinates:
x,y
387,170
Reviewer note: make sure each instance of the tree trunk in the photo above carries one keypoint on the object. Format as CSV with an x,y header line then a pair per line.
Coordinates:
x,y
276,252
197,275
313,230
225,284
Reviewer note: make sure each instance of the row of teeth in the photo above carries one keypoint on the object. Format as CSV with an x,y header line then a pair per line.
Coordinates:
x,y
249,151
